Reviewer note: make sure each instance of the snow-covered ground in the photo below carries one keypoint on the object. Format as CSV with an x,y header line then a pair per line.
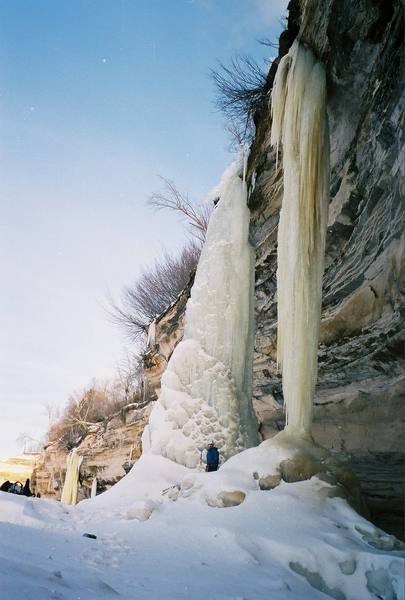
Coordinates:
x,y
162,533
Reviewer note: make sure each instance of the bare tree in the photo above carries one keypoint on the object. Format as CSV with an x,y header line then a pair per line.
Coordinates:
x,y
154,291
171,198
90,406
158,286
28,442
129,373
52,412
269,43
241,91
237,133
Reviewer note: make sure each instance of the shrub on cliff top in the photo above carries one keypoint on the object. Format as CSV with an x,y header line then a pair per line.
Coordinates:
x,y
159,285
154,290
93,405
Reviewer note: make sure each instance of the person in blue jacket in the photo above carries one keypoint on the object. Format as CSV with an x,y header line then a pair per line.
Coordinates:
x,y
212,458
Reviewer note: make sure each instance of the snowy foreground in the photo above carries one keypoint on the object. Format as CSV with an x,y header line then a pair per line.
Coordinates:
x,y
163,532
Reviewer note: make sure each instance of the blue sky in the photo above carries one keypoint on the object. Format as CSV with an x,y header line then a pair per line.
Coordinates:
x,y
97,97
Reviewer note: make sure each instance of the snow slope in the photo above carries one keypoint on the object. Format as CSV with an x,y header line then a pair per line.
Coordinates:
x,y
159,535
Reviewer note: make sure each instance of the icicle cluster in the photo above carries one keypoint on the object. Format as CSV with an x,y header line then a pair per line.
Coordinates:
x,y
299,124
69,492
207,386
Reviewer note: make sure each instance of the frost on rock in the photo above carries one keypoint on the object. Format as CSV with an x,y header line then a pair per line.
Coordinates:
x,y
206,389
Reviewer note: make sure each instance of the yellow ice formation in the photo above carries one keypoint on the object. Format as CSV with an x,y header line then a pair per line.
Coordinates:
x,y
299,125
69,492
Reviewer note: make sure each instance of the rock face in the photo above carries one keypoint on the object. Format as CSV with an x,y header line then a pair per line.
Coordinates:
x,y
169,329
360,394
106,449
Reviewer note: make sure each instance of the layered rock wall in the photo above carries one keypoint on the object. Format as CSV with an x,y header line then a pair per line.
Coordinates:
x,y
359,403
168,331
360,393
106,449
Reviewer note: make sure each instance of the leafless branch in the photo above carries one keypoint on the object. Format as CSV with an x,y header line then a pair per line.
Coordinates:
x,y
171,198
154,291
241,91
268,43
90,406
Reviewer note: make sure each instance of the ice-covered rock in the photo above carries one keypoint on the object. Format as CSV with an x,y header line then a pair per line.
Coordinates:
x,y
226,499
141,510
299,468
269,482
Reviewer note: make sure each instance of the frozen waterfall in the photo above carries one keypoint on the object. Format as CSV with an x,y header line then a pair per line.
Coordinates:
x,y
69,492
206,389
300,125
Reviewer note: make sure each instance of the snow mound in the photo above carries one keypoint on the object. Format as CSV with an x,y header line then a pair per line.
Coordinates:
x,y
167,531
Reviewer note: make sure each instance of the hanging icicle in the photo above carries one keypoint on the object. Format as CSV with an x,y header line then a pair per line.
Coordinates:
x,y
93,492
300,125
69,492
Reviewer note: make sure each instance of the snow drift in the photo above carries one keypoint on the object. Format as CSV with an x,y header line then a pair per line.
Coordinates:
x,y
165,531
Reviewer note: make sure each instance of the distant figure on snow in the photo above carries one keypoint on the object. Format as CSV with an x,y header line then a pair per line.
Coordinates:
x,y
212,458
26,489
16,488
4,487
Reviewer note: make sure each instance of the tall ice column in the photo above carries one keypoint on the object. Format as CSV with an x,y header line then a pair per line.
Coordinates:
x,y
299,125
206,391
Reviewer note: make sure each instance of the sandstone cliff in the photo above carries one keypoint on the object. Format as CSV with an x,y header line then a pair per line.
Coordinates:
x,y
360,392
168,331
359,400
106,449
